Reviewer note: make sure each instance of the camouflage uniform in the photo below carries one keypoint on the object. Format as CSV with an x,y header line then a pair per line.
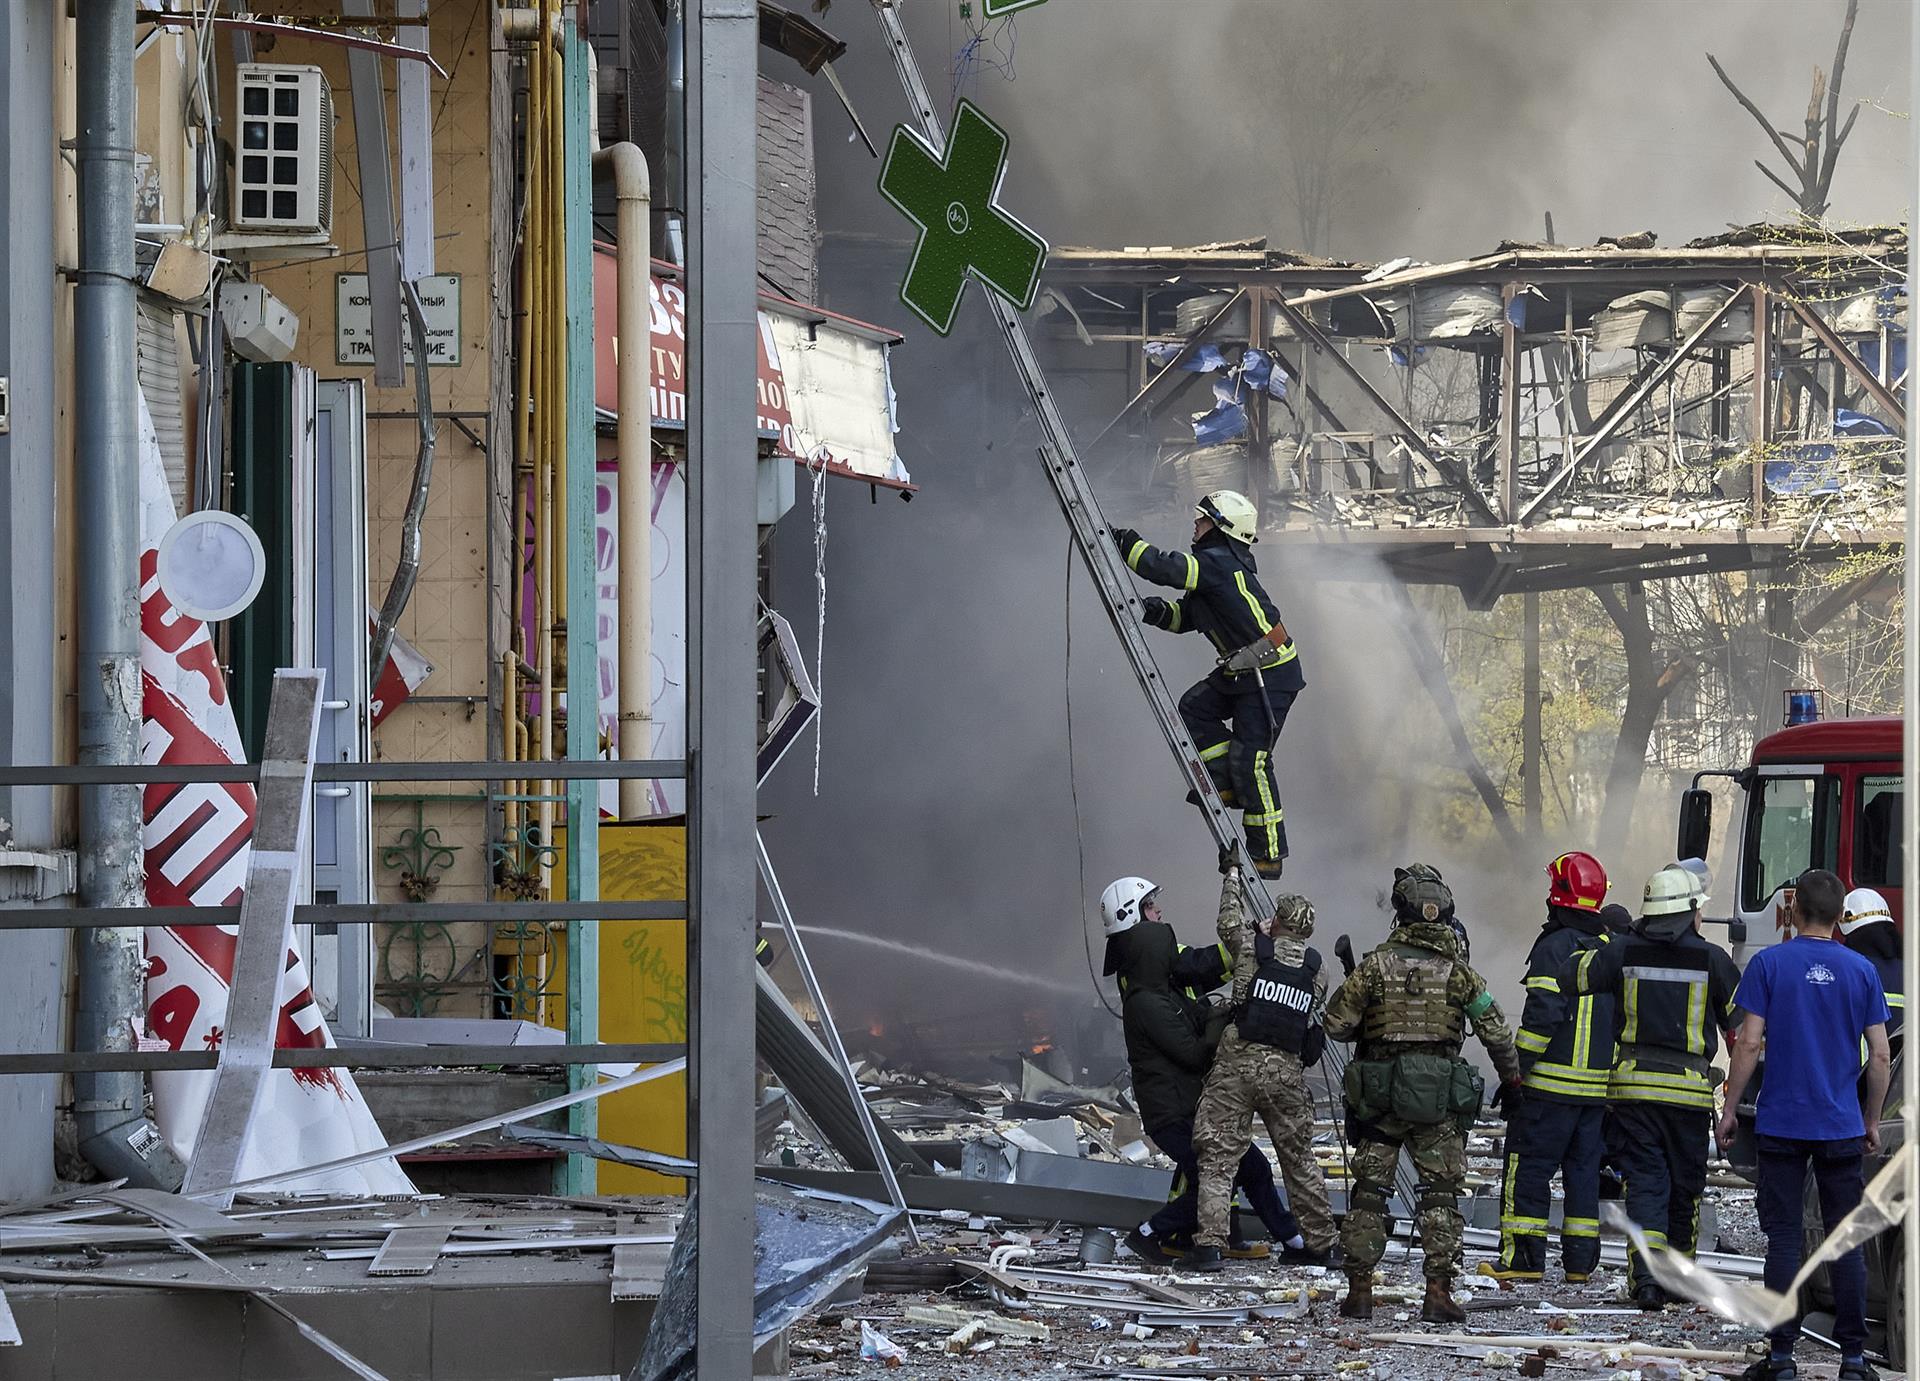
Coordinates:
x,y
1251,1076
1412,997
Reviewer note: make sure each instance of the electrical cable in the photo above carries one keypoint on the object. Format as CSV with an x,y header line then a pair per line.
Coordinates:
x,y
1073,785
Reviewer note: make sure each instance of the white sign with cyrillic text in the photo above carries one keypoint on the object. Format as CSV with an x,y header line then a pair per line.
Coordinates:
x,y
353,320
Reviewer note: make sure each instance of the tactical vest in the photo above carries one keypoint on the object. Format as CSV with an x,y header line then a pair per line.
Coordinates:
x,y
1279,1006
1413,1007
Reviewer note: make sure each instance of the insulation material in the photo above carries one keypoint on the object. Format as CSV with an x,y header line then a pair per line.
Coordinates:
x,y
1443,313
1642,318
1867,313
1204,469
839,394
1692,307
197,841
1193,313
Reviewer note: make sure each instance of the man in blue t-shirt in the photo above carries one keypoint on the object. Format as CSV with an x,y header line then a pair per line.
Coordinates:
x,y
1812,1000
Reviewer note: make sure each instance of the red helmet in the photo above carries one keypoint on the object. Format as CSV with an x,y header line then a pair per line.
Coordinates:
x,y
1576,880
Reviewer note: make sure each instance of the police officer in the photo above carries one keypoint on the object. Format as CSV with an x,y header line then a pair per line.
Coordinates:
x,y
1566,1049
1261,1065
1673,996
1408,1004
1259,673
1866,928
1170,1043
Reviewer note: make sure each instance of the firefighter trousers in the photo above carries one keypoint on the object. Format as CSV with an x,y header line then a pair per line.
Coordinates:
x,y
1240,758
1545,1136
1661,1153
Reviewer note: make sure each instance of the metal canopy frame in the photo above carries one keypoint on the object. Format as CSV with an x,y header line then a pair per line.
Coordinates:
x,y
1516,478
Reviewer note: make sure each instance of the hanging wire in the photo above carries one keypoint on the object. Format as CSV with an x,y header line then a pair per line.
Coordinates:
x,y
989,47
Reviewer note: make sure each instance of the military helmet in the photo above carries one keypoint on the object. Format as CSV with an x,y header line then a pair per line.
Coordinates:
x,y
1293,916
1417,887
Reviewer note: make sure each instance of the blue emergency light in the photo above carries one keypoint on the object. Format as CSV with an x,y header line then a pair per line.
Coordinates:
x,y
1803,707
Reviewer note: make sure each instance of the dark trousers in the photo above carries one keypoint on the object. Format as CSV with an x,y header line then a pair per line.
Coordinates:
x,y
1240,758
1661,1154
1181,1215
1838,1181
1544,1136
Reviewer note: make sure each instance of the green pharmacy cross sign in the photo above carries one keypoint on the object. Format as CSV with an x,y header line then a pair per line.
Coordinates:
x,y
996,8
953,199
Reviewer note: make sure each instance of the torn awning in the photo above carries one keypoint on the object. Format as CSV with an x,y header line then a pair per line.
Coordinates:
x,y
825,382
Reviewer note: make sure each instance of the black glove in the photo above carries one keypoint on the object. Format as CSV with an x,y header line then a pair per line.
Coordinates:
x,y
1124,539
1508,1098
1343,951
1229,860
1153,610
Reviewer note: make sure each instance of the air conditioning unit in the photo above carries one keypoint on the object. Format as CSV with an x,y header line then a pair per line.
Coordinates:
x,y
283,186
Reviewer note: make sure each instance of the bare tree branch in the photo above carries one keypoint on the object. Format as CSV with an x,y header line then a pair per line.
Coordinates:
x,y
1786,150
1834,141
1775,178
1833,82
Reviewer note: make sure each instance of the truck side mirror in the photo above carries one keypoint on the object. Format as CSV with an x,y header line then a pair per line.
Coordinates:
x,y
1696,823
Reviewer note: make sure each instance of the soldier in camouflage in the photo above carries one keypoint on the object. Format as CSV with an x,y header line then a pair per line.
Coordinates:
x,y
1260,1067
1408,1004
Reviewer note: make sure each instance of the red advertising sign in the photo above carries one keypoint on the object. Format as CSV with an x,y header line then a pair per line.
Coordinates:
x,y
667,372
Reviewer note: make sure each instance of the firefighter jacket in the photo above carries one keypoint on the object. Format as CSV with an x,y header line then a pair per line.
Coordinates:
x,y
1879,942
1672,994
1224,600
1565,1039
1165,1019
1278,983
1416,994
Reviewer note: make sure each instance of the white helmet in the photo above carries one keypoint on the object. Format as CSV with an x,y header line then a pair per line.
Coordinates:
x,y
1234,514
1672,889
1120,904
1863,906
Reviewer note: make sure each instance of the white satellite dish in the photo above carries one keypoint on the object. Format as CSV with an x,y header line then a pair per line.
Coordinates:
x,y
211,565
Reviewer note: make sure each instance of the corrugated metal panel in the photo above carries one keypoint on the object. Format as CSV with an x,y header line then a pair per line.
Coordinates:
x,y
158,356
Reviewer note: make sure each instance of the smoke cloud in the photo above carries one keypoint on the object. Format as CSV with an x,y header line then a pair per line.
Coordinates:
x,y
946,815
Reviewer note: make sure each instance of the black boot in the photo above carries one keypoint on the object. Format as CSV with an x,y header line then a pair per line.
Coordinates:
x,y
1205,1258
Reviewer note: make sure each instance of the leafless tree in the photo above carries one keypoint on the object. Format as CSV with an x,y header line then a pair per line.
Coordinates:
x,y
1809,157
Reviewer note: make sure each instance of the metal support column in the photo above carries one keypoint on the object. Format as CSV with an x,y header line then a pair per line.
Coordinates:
x,y
1910,754
722,39
583,594
1509,440
1530,746
109,1107
1762,398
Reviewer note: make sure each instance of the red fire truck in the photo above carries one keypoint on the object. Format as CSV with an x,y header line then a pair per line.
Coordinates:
x,y
1823,793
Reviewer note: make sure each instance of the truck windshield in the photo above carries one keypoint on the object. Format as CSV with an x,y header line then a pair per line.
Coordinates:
x,y
1793,824
1877,850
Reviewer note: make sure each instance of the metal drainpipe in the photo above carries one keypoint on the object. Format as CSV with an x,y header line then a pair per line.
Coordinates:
x,y
676,140
633,203
109,1107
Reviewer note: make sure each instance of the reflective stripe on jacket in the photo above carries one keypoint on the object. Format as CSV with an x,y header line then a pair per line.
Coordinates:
x,y
1565,1038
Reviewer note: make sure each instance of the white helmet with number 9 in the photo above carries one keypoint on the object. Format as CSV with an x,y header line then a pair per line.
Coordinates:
x,y
1122,902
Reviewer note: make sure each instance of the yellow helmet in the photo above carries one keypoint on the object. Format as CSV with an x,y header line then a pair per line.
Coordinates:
x,y
1234,514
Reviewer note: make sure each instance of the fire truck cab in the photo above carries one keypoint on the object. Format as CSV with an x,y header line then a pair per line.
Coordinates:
x,y
1819,794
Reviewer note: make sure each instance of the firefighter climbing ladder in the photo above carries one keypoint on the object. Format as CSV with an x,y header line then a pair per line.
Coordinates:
x,y
1090,531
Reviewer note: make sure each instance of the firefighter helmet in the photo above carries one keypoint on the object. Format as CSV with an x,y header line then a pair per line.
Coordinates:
x,y
1122,903
1863,906
1671,890
1576,880
1234,514
1293,916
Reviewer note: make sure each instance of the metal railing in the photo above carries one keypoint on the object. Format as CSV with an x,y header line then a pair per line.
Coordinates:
x,y
383,1055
